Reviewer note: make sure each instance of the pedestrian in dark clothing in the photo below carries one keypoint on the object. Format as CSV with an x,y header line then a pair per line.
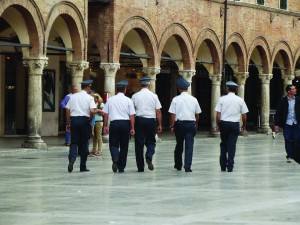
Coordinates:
x,y
287,117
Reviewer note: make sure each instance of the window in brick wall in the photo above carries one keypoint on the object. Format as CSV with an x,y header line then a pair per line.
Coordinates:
x,y
261,2
283,4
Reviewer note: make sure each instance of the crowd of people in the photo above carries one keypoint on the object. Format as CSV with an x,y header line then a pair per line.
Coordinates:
x,y
123,118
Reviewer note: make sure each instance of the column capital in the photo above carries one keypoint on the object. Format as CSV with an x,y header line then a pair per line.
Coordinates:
x,y
151,71
35,65
77,66
288,78
241,77
216,79
110,69
265,78
187,74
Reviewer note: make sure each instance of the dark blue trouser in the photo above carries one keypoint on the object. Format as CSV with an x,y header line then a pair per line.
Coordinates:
x,y
229,135
119,133
185,131
291,134
81,131
144,135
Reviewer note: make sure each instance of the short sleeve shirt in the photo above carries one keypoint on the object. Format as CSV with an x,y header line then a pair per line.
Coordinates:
x,y
185,106
231,107
146,103
80,104
119,107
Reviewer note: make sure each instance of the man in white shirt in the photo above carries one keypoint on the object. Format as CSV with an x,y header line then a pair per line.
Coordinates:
x,y
80,109
229,110
120,111
147,108
184,111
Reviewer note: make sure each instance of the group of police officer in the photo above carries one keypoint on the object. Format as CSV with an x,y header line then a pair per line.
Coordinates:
x,y
141,117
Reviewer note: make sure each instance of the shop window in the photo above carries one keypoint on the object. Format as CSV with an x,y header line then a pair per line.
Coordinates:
x,y
283,4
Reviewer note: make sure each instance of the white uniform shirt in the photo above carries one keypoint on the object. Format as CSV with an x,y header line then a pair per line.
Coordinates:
x,y
80,104
185,106
119,107
146,103
231,107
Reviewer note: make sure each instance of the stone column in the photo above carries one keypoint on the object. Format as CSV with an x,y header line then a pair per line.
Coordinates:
x,y
188,75
265,103
241,81
287,79
110,71
152,72
215,96
34,111
77,69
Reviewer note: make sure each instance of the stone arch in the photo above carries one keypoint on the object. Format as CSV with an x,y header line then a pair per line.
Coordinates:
x,y
214,45
147,34
284,49
77,32
264,51
32,18
185,43
239,45
296,57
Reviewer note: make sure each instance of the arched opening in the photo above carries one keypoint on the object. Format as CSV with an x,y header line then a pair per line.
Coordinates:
x,y
253,96
201,87
276,87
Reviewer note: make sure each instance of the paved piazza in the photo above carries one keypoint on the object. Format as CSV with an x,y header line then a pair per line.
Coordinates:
x,y
36,189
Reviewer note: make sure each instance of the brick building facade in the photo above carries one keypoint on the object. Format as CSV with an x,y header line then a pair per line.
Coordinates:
x,y
130,38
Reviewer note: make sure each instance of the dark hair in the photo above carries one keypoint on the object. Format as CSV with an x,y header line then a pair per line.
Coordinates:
x,y
232,88
121,89
288,87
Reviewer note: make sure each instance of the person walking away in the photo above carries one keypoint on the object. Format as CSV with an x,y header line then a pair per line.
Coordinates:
x,y
184,117
287,117
97,128
148,113
120,111
63,104
80,109
229,110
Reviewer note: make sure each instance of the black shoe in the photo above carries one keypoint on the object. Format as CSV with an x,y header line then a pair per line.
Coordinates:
x,y
150,165
84,170
114,167
70,167
140,170
121,170
177,168
188,170
229,170
223,169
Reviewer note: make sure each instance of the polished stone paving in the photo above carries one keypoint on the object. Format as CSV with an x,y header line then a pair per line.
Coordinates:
x,y
36,189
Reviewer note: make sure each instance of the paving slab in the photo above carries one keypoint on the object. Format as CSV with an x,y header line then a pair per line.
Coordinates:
x,y
36,188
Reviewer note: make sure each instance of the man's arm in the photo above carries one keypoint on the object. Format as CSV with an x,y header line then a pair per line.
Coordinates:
x,y
218,119
244,119
132,121
105,123
159,120
67,119
197,119
172,122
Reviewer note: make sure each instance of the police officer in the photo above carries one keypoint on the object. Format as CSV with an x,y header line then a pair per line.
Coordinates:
x,y
120,111
184,111
229,110
80,109
147,108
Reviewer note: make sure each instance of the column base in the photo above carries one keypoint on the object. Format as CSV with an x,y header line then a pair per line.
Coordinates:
x,y
35,143
213,133
264,130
